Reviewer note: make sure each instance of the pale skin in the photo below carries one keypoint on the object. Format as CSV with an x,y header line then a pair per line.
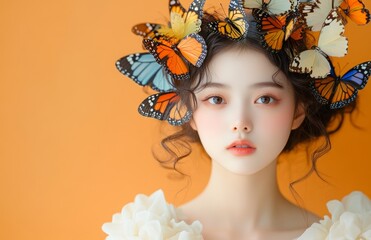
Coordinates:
x,y
244,108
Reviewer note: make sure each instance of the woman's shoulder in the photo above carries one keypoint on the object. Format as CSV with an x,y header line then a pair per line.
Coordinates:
x,y
349,218
151,217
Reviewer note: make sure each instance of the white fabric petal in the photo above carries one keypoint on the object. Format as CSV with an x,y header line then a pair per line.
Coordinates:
x,y
351,220
150,218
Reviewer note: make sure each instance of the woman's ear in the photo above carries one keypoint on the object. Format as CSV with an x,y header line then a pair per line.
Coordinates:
x,y
299,116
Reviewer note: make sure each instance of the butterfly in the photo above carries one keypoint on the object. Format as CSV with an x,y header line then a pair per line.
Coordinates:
x,y
356,11
331,42
277,28
182,22
175,57
276,7
235,25
316,12
339,91
145,71
165,106
147,30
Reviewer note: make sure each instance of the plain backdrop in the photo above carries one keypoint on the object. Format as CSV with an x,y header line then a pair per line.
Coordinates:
x,y
73,149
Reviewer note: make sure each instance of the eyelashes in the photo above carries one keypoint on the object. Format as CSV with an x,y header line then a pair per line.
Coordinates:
x,y
264,99
215,100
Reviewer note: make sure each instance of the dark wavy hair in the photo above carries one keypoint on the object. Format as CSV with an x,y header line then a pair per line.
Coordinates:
x,y
320,120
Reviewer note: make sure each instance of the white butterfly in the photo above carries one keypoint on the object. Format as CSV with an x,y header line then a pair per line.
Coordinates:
x,y
316,12
272,6
331,42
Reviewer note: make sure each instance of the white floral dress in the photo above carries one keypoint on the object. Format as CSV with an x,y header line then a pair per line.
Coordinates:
x,y
152,218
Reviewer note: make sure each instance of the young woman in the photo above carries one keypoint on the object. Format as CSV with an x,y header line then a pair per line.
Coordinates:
x,y
249,103
244,116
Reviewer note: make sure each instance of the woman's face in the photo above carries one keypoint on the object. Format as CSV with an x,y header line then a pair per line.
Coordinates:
x,y
245,112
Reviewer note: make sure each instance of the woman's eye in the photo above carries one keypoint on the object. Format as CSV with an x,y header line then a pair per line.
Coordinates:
x,y
215,100
265,100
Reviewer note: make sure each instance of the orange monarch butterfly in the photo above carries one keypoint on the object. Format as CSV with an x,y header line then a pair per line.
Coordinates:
x,y
165,106
175,57
339,91
356,11
235,25
276,28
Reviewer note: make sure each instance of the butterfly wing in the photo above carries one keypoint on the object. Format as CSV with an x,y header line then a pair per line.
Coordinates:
x,y
196,9
193,17
235,25
193,48
358,75
279,7
182,22
147,30
165,54
331,39
331,91
340,91
275,7
311,61
176,6
323,89
331,42
165,106
317,12
298,30
355,10
253,4
145,71
274,28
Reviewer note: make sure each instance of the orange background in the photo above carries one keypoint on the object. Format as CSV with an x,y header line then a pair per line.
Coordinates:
x,y
73,150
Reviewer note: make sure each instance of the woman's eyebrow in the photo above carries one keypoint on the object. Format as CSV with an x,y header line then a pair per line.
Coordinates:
x,y
213,85
267,84
255,85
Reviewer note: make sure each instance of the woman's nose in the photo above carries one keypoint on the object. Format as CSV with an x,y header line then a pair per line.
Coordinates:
x,y
242,123
241,127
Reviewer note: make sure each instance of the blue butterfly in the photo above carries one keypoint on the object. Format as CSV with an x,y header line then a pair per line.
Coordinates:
x,y
339,91
145,71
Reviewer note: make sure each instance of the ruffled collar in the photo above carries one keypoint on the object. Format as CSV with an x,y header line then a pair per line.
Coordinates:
x,y
152,218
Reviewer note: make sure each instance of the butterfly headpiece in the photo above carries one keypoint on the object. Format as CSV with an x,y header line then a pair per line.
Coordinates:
x,y
173,48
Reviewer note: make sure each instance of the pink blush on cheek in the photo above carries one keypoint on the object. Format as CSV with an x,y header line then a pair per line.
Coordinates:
x,y
280,122
208,125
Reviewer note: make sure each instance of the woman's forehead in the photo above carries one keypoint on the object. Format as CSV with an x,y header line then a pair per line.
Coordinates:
x,y
245,65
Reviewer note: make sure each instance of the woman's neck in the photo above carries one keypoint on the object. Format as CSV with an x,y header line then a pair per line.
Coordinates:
x,y
233,198
236,207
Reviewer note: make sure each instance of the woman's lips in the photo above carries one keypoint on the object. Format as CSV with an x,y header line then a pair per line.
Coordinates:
x,y
241,148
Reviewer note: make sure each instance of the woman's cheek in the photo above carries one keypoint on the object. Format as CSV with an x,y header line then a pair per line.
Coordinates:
x,y
207,122
282,121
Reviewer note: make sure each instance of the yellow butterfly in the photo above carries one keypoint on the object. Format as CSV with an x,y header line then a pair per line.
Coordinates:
x,y
182,22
